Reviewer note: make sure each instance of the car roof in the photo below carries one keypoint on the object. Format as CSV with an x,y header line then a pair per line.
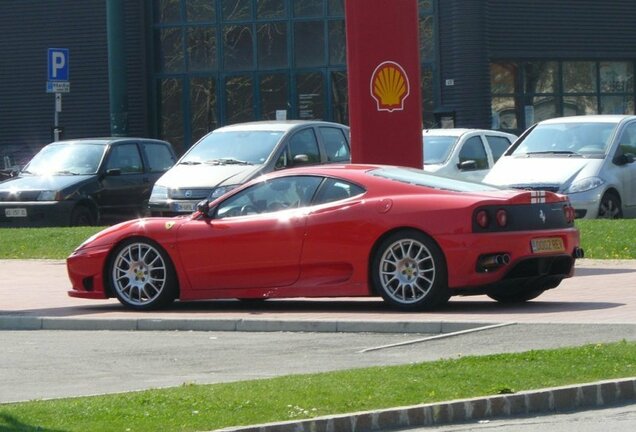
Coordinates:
x,y
456,132
598,118
105,140
275,125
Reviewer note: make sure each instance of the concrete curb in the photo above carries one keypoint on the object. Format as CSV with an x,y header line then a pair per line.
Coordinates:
x,y
17,322
551,400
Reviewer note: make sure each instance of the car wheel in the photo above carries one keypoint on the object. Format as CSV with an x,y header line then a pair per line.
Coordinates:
x,y
142,275
82,216
518,296
610,207
409,271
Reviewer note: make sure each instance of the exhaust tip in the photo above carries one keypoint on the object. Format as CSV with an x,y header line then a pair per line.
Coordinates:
x,y
578,253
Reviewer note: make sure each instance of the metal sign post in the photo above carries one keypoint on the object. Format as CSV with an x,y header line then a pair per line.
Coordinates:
x,y
58,83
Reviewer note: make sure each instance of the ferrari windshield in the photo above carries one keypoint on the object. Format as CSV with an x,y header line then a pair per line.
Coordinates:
x,y
238,147
66,159
437,148
421,178
572,139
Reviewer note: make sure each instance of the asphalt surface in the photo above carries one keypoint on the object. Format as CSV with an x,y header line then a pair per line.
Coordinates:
x,y
217,341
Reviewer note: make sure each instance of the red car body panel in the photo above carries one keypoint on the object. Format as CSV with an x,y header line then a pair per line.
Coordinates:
x,y
322,250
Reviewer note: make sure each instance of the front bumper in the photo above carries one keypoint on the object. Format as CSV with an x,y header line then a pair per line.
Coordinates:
x,y
172,207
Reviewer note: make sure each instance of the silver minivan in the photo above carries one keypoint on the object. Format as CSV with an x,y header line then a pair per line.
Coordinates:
x,y
230,156
589,158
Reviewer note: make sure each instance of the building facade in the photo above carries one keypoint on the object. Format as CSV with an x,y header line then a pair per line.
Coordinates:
x,y
191,66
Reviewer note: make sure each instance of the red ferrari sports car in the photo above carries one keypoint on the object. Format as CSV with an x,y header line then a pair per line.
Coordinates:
x,y
353,230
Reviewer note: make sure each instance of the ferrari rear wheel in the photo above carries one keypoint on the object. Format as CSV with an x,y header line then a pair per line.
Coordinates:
x,y
142,275
409,272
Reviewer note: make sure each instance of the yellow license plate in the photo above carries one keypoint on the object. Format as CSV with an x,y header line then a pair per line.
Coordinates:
x,y
542,245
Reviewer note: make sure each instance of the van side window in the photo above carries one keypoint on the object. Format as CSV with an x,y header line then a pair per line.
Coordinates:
x,y
159,157
126,157
627,142
304,143
498,146
473,150
335,143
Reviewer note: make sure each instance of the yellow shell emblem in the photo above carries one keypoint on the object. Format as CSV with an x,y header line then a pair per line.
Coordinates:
x,y
389,86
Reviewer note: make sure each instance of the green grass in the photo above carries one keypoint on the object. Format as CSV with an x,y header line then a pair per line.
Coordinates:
x,y
601,239
205,407
608,239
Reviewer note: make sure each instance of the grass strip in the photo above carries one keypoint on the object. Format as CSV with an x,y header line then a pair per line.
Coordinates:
x,y
206,407
601,239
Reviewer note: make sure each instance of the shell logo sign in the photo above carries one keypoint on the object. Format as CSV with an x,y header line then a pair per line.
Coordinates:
x,y
390,86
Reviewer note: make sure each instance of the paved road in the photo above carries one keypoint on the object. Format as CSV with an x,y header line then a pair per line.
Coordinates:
x,y
600,292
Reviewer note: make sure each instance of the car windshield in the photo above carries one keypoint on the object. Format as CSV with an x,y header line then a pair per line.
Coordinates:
x,y
66,159
585,139
437,148
421,178
243,147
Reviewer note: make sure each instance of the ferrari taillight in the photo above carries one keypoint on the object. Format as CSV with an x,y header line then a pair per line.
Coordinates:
x,y
482,218
502,217
569,212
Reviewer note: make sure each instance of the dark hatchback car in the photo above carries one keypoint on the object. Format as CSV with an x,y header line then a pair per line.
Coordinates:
x,y
85,182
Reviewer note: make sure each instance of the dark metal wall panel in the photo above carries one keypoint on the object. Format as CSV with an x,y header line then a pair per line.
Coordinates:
x,y
463,59
27,29
564,29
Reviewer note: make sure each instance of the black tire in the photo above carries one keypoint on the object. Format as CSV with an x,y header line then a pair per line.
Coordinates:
x,y
518,296
610,206
409,271
82,216
141,275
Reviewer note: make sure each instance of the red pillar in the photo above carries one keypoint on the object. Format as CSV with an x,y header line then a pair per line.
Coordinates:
x,y
385,110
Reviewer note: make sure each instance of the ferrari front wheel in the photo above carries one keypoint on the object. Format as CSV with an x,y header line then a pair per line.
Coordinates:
x,y
409,271
142,276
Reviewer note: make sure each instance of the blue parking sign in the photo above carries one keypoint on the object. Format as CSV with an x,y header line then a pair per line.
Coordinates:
x,y
58,60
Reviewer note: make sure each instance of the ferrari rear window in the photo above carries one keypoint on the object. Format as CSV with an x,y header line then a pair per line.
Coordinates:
x,y
420,178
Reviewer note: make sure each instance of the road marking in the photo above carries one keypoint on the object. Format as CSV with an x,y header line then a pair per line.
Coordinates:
x,y
440,336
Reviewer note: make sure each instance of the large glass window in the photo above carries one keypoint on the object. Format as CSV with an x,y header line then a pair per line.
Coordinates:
x,y
170,109
201,48
309,43
170,56
308,8
238,47
311,95
239,99
273,94
339,97
236,10
267,9
551,89
200,10
272,46
203,106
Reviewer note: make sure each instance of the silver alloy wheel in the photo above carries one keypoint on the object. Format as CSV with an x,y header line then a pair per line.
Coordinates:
x,y
139,274
407,271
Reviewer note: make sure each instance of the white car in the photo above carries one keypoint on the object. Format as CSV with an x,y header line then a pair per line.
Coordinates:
x,y
588,158
466,154
230,156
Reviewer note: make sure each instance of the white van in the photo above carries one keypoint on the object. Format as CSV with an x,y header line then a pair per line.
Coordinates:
x,y
230,156
465,154
588,158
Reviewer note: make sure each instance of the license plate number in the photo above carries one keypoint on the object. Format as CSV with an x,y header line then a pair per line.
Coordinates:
x,y
185,207
542,245
15,212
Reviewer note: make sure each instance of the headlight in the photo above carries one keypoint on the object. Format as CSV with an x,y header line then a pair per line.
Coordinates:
x,y
221,190
159,193
48,196
584,185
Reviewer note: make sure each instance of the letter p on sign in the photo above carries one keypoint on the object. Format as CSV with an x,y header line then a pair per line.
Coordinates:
x,y
58,64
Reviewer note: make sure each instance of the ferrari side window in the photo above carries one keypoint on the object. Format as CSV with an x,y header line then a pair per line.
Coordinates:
x,y
336,190
270,196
